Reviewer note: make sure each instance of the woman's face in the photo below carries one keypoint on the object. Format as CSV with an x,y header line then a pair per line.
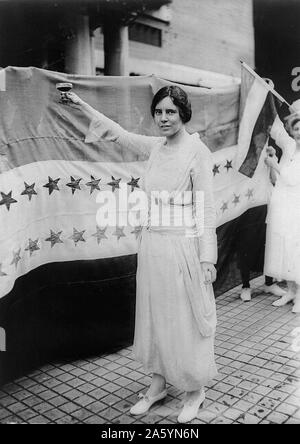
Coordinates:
x,y
296,132
167,117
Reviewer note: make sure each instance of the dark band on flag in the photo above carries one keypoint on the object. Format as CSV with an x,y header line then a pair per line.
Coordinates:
x,y
260,134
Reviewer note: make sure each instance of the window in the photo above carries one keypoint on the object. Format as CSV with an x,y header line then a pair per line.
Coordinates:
x,y
139,32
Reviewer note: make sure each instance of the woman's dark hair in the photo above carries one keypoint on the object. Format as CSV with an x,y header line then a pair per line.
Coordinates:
x,y
178,96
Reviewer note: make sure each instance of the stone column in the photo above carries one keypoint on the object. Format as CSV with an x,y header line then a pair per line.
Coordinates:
x,y
78,48
116,49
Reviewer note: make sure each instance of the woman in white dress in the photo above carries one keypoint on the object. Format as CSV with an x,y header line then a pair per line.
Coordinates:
x,y
282,259
175,306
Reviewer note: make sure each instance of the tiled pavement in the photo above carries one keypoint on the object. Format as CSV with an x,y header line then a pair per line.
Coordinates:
x,y
258,382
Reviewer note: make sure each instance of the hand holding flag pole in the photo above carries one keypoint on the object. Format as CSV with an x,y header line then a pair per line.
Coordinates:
x,y
269,87
260,105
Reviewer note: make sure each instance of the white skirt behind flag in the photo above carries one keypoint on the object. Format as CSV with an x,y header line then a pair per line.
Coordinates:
x,y
282,257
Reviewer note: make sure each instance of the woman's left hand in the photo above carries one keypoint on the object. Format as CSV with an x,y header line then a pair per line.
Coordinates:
x,y
209,271
271,161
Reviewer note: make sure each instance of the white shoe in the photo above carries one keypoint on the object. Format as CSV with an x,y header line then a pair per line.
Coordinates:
x,y
190,408
246,294
285,299
274,289
146,401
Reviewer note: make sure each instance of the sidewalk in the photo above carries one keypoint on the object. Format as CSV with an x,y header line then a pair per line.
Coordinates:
x,y
258,382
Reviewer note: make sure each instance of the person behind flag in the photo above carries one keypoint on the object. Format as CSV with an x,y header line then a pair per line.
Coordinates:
x,y
175,305
282,258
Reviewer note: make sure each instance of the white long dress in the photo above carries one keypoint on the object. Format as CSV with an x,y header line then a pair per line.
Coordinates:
x,y
175,311
282,257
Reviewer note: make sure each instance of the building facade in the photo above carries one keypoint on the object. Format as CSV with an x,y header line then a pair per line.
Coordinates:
x,y
189,41
198,42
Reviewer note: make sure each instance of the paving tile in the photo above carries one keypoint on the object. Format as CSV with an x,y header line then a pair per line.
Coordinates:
x,y
297,414
77,372
69,407
206,415
286,409
252,397
75,382
39,420
123,406
112,399
12,388
88,377
228,400
217,408
278,395
42,378
247,418
243,405
68,367
43,407
82,414
86,388
233,414
26,383
62,388
247,385
84,400
135,387
67,419
268,403
6,401
126,419
277,418
51,383
72,394
259,411
32,401
221,420
57,401
213,394
237,392
56,372
96,407
110,413
293,421
27,414
4,414
47,394
65,377
35,389
99,393
54,414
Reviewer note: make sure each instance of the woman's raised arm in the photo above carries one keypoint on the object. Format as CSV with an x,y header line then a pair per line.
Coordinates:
x,y
281,136
101,127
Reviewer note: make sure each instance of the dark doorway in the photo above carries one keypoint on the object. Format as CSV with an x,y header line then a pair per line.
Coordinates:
x,y
277,44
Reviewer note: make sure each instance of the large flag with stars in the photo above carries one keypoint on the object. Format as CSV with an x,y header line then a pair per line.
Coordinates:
x,y
51,247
